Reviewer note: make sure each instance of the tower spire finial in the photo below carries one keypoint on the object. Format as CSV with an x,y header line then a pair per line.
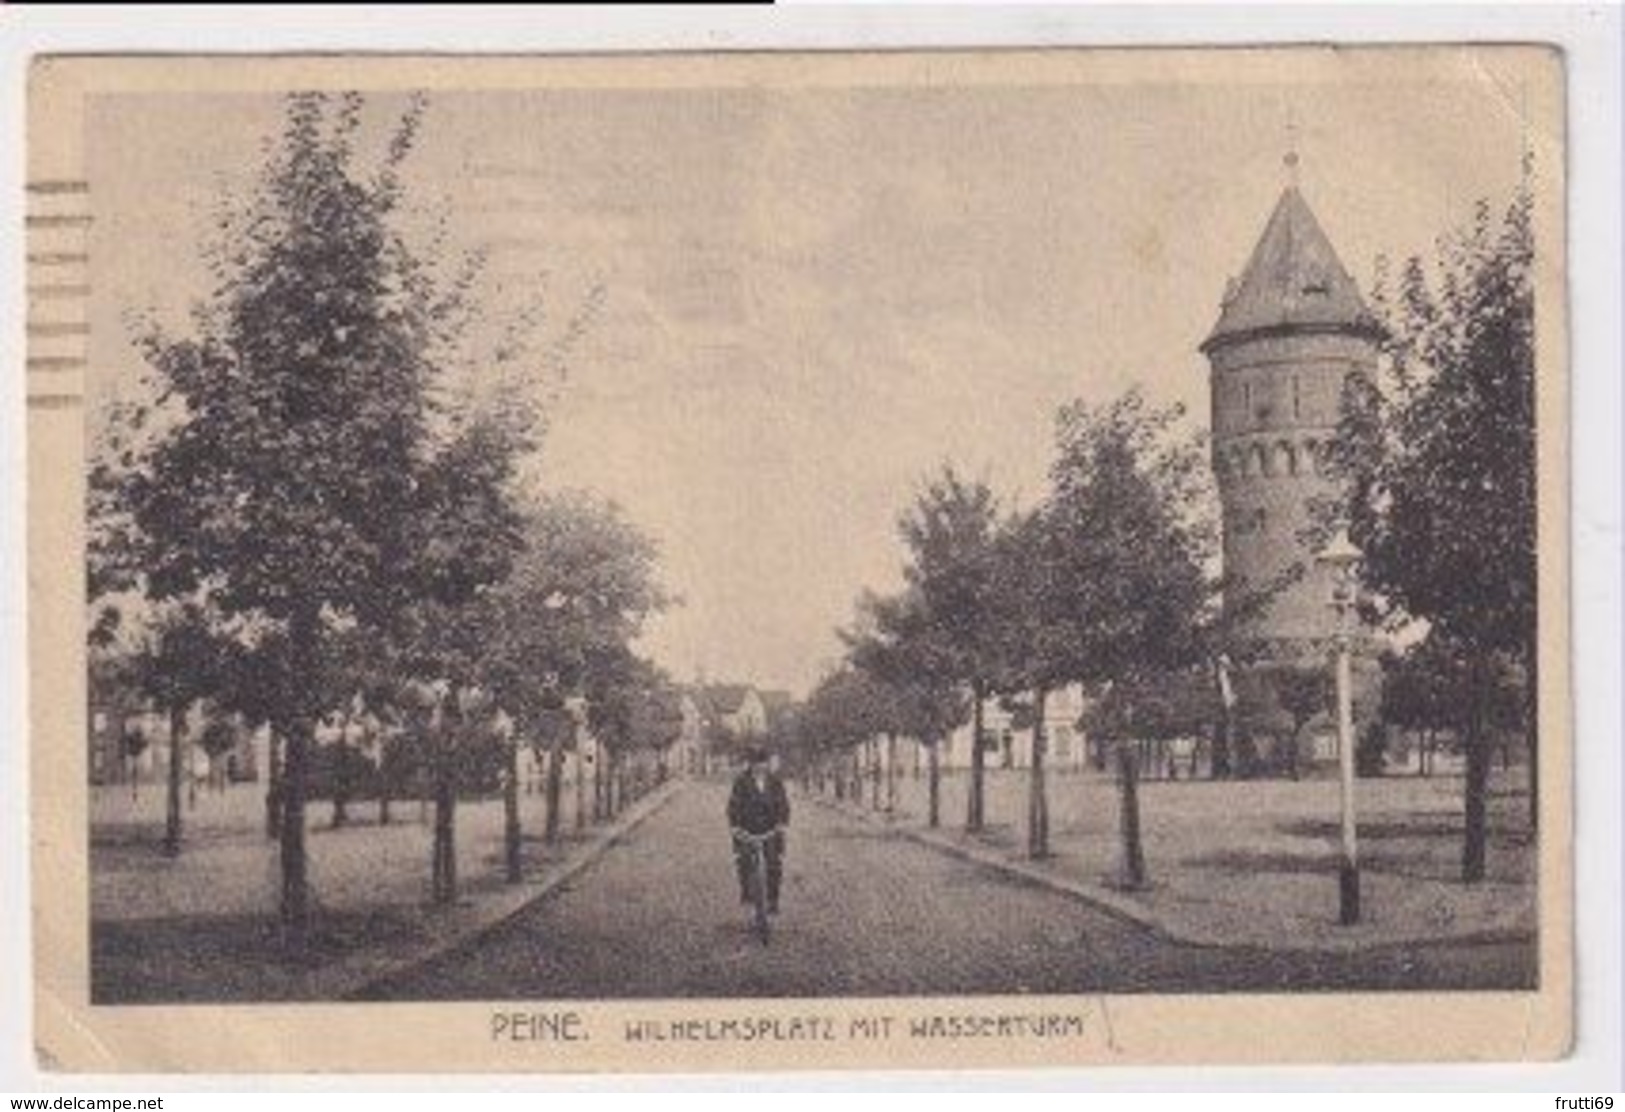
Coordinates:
x,y
1290,159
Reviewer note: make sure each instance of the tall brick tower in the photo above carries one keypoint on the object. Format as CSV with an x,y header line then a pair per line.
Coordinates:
x,y
1290,331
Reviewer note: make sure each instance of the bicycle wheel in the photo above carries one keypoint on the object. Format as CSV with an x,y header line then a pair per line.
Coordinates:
x,y
763,927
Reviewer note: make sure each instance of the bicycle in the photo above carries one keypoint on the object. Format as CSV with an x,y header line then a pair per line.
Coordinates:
x,y
756,873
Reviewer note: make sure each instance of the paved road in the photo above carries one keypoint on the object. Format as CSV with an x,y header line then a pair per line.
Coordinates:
x,y
866,912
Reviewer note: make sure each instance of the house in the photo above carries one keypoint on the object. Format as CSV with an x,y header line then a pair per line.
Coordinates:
x,y
739,710
1009,744
131,741
716,718
779,708
689,751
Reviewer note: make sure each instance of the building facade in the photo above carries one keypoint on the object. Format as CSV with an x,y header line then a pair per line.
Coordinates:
x,y
1009,744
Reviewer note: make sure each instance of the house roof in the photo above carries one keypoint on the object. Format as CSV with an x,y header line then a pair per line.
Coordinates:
x,y
727,698
1294,281
779,705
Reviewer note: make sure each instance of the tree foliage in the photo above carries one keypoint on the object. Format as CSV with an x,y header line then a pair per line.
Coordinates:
x,y
1440,454
951,532
1127,547
300,477
1444,459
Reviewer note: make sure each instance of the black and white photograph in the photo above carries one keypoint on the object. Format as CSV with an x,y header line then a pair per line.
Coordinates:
x,y
970,530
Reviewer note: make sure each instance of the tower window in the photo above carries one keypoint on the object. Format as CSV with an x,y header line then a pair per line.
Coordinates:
x,y
1297,405
1247,399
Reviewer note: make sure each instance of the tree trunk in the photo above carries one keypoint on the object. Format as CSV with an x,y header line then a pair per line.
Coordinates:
x,y
341,782
600,785
273,784
1477,786
444,881
445,833
581,786
295,903
1037,793
934,786
1224,731
172,805
874,773
891,773
386,786
1531,725
975,814
1128,776
510,815
555,788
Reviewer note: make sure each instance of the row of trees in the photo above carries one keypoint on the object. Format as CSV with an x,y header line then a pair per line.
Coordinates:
x,y
326,506
1104,584
1107,582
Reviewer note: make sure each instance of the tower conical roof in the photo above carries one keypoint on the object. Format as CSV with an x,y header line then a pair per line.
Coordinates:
x,y
1294,281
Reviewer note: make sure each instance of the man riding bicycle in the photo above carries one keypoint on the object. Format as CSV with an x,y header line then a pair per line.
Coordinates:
x,y
759,806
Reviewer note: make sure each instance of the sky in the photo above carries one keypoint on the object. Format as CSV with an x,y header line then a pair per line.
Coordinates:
x,y
813,294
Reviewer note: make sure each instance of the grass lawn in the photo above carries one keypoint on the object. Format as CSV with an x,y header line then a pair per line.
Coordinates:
x,y
1255,862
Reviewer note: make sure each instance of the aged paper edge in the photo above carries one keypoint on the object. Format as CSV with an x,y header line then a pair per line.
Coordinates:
x,y
72,1035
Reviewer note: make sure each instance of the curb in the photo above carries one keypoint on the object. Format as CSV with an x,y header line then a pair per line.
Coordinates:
x,y
1126,912
349,978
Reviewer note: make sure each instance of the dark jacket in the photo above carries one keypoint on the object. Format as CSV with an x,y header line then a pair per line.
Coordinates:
x,y
758,811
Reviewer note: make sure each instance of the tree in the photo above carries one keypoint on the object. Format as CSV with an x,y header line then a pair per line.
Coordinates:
x,y
467,539
898,645
1034,639
1260,723
844,712
176,662
1161,707
1426,691
581,588
950,532
217,740
1441,460
290,476
1303,693
1124,586
627,709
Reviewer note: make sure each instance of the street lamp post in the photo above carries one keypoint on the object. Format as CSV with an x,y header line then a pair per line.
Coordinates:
x,y
1341,557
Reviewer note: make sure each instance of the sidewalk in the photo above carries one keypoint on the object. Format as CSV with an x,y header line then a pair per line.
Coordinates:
x,y
1253,863
203,926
